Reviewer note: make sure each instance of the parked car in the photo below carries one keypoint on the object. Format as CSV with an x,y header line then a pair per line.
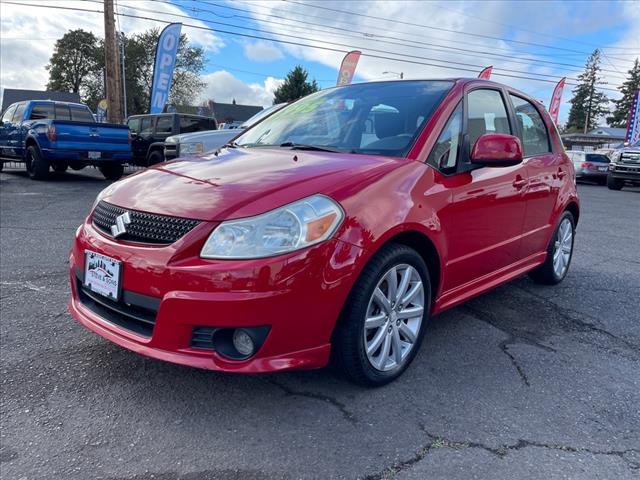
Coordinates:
x,y
309,239
149,133
624,167
590,166
44,134
200,142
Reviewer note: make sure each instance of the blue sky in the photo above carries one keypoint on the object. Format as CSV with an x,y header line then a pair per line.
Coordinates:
x,y
436,33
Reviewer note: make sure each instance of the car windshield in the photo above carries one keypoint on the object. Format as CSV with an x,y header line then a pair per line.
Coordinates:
x,y
381,118
595,157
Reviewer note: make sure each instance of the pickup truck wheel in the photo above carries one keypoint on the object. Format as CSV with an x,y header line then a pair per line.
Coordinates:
x,y
60,167
559,253
76,165
614,183
384,318
155,157
37,167
112,171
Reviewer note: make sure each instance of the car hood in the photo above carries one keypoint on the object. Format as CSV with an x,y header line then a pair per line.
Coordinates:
x,y
205,134
243,182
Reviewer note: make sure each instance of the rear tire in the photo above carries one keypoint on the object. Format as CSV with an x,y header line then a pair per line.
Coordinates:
x,y
76,165
112,171
559,253
37,167
155,157
614,183
367,327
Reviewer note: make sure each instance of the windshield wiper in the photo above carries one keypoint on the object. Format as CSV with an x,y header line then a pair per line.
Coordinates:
x,y
231,145
302,146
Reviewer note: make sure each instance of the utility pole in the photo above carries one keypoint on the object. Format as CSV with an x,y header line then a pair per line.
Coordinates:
x,y
124,77
112,64
588,116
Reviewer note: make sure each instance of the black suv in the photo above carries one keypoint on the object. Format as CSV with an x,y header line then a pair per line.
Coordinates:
x,y
148,133
624,167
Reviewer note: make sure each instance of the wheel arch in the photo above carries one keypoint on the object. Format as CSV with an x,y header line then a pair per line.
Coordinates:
x,y
572,207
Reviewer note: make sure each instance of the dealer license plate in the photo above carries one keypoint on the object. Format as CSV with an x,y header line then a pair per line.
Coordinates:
x,y
94,155
603,169
102,274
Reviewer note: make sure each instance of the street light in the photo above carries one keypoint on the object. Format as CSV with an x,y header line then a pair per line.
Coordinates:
x,y
399,74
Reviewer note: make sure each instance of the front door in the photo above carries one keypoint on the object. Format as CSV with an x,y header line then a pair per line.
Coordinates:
x,y
5,129
484,219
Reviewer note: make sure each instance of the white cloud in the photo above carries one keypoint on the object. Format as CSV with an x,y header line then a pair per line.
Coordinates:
x,y
28,34
223,87
262,51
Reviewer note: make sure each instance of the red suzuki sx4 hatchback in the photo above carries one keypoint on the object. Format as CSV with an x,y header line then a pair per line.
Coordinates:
x,y
333,229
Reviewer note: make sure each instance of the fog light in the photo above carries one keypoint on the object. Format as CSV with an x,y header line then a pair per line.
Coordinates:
x,y
243,342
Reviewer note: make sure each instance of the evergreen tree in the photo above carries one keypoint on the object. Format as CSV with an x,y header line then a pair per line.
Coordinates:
x,y
628,90
295,86
587,104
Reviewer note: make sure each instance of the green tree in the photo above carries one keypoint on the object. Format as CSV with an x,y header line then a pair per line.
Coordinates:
x,y
295,86
140,50
587,104
74,62
628,89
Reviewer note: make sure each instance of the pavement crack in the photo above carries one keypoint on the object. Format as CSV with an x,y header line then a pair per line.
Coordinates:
x,y
438,441
348,416
504,346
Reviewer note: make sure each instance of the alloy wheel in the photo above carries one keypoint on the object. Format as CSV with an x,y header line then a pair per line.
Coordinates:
x,y
562,248
394,316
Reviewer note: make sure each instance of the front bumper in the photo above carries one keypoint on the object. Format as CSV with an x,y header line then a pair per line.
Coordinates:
x,y
299,296
625,172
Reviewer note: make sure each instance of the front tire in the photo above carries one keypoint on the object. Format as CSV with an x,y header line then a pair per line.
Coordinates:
x,y
614,183
155,157
559,253
383,321
37,167
112,171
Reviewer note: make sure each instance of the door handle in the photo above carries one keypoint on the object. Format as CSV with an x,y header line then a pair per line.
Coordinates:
x,y
519,183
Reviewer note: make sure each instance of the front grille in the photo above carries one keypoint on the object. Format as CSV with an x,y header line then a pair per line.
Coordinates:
x,y
134,312
144,227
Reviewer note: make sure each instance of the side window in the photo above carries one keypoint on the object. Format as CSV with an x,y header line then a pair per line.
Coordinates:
x,y
17,116
146,126
164,125
532,130
62,112
42,111
487,114
79,114
193,124
134,125
444,155
8,114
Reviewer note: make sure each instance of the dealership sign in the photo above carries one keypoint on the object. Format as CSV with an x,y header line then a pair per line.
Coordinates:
x,y
166,52
486,72
554,106
348,68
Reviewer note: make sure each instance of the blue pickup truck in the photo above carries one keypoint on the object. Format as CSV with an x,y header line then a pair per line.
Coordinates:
x,y
45,134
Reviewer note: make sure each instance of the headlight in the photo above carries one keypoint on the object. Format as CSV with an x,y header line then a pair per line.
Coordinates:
x,y
172,139
615,156
191,148
285,229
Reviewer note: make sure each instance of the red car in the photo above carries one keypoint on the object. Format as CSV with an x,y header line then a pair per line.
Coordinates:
x,y
334,228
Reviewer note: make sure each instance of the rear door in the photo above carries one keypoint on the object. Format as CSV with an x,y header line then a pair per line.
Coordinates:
x,y
546,171
484,219
15,133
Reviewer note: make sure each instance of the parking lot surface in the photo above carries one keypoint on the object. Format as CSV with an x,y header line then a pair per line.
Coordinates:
x,y
524,382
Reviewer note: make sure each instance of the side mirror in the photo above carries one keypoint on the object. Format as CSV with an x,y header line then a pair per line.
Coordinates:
x,y
497,150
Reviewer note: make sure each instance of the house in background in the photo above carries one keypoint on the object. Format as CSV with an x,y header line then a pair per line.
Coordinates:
x,y
601,137
13,95
222,112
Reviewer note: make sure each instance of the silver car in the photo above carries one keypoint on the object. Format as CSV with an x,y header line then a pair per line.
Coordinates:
x,y
199,142
590,166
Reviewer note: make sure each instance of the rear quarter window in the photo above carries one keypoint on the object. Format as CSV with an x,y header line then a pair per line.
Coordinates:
x,y
80,114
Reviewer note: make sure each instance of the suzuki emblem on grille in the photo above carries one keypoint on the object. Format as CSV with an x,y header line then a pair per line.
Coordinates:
x,y
120,227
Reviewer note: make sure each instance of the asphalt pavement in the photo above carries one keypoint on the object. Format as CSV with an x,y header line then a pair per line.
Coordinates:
x,y
525,382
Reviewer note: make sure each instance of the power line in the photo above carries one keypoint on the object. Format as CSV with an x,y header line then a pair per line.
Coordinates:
x,y
374,37
350,27
344,50
479,35
298,37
